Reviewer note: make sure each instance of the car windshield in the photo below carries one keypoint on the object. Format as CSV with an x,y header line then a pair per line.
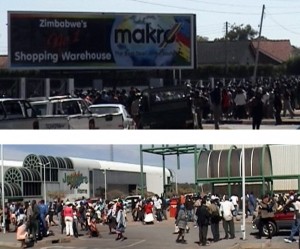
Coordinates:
x,y
105,110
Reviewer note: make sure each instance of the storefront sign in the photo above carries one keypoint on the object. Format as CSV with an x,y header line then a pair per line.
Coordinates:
x,y
66,40
75,179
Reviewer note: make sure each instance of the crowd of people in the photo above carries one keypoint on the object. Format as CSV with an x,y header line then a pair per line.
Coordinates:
x,y
213,210
268,98
32,220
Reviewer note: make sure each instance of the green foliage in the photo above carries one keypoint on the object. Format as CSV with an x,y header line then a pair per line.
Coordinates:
x,y
241,33
293,66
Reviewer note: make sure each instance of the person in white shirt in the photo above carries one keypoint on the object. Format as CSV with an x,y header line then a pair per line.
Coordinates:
x,y
226,210
235,201
296,223
157,205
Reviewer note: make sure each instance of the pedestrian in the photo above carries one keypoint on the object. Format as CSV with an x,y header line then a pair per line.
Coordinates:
x,y
266,209
277,105
121,223
216,100
111,218
215,218
33,219
256,109
68,215
189,205
157,205
203,221
51,214
235,201
227,208
252,203
181,222
164,207
296,223
94,232
22,234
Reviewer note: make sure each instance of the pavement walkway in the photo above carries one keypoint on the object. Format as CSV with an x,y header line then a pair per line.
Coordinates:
x,y
285,120
8,239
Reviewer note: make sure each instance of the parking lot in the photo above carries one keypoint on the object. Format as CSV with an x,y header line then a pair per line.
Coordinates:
x,y
160,235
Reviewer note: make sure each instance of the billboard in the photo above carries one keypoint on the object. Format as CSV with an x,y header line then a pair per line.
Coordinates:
x,y
67,40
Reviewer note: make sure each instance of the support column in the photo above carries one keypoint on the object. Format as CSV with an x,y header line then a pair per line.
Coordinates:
x,y
47,87
71,86
22,84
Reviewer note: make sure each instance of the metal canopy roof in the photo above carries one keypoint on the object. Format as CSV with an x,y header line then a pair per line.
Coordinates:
x,y
172,149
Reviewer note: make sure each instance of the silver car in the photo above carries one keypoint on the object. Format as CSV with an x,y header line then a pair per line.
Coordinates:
x,y
128,122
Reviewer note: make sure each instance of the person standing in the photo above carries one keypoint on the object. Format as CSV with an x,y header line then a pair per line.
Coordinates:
x,y
33,219
181,222
252,203
257,110
189,205
203,222
43,209
277,105
215,218
157,205
235,201
215,98
265,212
227,208
121,222
68,216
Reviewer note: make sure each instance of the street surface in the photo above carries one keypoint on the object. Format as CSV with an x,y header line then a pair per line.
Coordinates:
x,y
160,235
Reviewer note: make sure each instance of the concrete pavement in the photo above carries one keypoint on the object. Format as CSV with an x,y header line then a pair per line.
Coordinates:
x,y
150,238
8,240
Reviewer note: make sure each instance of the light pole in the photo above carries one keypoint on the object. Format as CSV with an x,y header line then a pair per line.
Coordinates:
x,y
2,190
44,173
105,185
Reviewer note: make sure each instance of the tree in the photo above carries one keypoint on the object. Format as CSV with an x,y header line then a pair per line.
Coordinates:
x,y
202,38
241,33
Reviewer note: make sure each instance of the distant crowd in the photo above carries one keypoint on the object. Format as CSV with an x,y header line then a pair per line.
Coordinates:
x,y
268,98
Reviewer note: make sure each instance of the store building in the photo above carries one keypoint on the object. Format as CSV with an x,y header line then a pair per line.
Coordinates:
x,y
77,177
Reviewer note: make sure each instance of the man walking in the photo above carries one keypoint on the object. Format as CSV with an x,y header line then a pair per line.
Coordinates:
x,y
227,208
203,217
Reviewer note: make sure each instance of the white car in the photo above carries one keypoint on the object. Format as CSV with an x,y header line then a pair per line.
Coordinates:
x,y
128,122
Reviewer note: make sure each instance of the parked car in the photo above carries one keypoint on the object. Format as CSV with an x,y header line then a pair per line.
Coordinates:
x,y
282,220
132,199
67,112
17,113
105,109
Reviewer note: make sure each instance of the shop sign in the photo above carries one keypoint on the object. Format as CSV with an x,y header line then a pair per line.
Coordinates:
x,y
75,179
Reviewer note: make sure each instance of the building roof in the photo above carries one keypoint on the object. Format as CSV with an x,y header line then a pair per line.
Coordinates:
x,y
243,52
278,50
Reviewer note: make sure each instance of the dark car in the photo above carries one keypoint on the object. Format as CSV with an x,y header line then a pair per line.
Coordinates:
x,y
282,220
166,108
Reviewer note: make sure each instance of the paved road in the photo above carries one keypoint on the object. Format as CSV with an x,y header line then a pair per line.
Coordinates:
x,y
160,235
249,127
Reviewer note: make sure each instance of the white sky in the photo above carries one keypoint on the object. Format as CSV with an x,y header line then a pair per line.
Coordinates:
x,y
281,20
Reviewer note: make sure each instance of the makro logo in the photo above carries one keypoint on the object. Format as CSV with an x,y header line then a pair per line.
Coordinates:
x,y
147,35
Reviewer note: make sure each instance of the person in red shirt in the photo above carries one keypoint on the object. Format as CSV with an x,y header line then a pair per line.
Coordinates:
x,y
68,214
148,212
